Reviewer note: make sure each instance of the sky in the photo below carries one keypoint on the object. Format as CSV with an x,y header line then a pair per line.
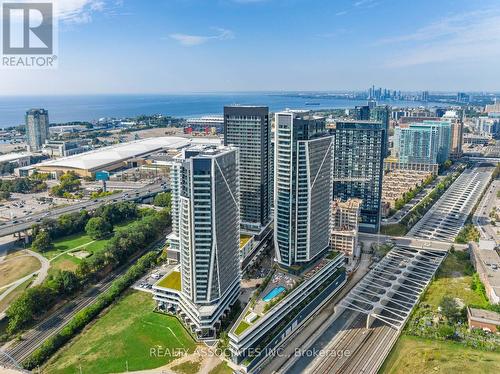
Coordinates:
x,y
180,46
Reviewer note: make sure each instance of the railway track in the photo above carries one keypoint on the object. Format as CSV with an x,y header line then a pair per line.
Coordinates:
x,y
34,338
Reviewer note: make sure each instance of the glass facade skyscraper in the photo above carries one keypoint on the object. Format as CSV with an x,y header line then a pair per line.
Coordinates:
x,y
302,187
206,232
249,129
358,149
375,114
382,114
37,128
426,142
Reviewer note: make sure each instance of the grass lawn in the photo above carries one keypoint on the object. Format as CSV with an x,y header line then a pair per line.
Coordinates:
x,y
96,246
241,327
222,368
244,239
79,242
418,355
172,281
17,267
127,333
4,303
64,262
67,243
453,279
396,229
188,367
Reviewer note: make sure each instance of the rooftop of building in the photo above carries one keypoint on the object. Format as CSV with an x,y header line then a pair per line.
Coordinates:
x,y
348,204
356,124
120,152
274,289
171,281
14,156
205,151
36,110
244,239
487,244
302,113
426,124
246,106
491,262
483,314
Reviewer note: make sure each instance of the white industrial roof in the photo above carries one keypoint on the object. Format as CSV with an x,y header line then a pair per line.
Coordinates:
x,y
101,157
14,156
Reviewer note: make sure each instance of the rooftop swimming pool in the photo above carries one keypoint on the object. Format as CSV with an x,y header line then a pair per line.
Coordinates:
x,y
273,293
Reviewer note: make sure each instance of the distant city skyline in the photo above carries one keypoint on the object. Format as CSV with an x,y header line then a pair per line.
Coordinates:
x,y
132,46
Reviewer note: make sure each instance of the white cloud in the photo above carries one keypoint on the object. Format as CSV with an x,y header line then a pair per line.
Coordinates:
x,y
77,11
365,3
463,37
191,40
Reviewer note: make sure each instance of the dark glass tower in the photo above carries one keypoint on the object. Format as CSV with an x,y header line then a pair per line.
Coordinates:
x,y
248,128
358,149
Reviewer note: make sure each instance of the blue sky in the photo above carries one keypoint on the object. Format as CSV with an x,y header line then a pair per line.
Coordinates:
x,y
156,46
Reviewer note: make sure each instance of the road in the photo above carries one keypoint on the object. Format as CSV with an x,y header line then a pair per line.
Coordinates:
x,y
482,219
33,338
27,222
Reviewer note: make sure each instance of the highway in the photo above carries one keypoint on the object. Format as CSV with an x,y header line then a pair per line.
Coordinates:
x,y
33,338
482,216
25,223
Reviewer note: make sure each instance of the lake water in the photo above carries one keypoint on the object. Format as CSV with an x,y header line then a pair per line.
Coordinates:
x,y
87,108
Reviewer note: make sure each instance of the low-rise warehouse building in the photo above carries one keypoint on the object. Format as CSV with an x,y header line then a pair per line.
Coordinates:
x,y
19,159
483,319
486,261
117,157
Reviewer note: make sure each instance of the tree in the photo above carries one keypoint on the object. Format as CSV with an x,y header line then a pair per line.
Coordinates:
x,y
6,168
42,242
446,331
69,182
32,303
98,228
163,200
4,195
64,282
450,309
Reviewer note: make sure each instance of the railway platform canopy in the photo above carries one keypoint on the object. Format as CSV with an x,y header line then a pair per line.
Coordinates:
x,y
392,288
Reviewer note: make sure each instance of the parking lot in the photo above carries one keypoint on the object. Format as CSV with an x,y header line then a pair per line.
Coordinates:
x,y
146,282
21,205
